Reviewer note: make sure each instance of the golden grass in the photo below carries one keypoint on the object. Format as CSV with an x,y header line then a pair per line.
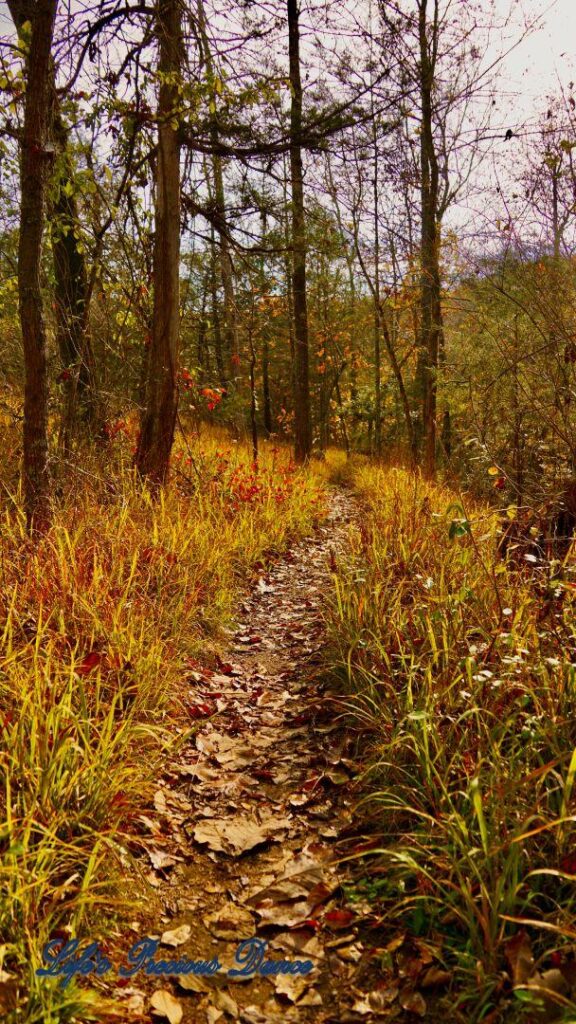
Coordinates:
x,y
97,622
462,672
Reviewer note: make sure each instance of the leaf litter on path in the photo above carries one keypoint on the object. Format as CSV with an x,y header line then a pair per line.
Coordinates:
x,y
252,804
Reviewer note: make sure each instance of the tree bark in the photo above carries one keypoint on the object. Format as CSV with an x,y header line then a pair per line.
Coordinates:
x,y
217,332
377,314
431,309
158,420
71,292
72,302
302,422
35,163
229,324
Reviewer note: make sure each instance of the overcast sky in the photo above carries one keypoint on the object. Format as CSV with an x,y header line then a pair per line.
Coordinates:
x,y
544,58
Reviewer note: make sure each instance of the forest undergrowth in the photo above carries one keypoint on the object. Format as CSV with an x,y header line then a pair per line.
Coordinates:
x,y
461,669
98,621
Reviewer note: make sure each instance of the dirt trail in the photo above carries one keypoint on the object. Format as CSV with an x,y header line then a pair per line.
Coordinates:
x,y
248,819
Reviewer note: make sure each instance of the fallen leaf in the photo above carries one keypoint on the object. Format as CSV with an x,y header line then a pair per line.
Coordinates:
x,y
197,983
519,957
299,942
177,937
413,1002
133,1000
337,920
395,943
224,1001
298,879
297,989
89,663
213,1015
351,954
161,860
160,801
153,880
231,752
203,710
382,997
239,833
270,1013
230,922
435,976
362,1006
164,1004
553,980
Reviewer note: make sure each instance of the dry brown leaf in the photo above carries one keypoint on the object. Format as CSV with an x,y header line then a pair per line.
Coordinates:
x,y
224,1001
395,943
233,752
133,1000
161,860
296,988
297,881
198,771
160,801
230,922
435,976
413,1002
164,1004
213,1015
284,915
362,1006
270,1013
239,833
176,937
350,954
519,957
153,879
199,983
382,997
299,942
555,981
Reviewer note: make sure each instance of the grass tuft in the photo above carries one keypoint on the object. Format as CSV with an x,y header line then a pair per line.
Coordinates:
x,y
97,623
463,674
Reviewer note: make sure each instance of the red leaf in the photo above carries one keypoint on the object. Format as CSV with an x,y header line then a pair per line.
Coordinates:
x,y
568,864
200,710
338,919
89,663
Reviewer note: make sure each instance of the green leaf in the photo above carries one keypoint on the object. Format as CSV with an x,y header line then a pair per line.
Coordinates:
x,y
458,528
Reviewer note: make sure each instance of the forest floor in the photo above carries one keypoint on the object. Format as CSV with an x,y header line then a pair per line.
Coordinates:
x,y
306,709
246,823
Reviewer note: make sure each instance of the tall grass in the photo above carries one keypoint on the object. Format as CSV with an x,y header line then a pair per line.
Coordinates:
x,y
463,673
97,622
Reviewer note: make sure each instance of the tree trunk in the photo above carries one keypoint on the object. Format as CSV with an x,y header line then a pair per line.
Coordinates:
x,y
72,303
218,354
35,162
71,292
253,419
302,422
229,324
159,415
431,309
377,313
266,400
287,268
